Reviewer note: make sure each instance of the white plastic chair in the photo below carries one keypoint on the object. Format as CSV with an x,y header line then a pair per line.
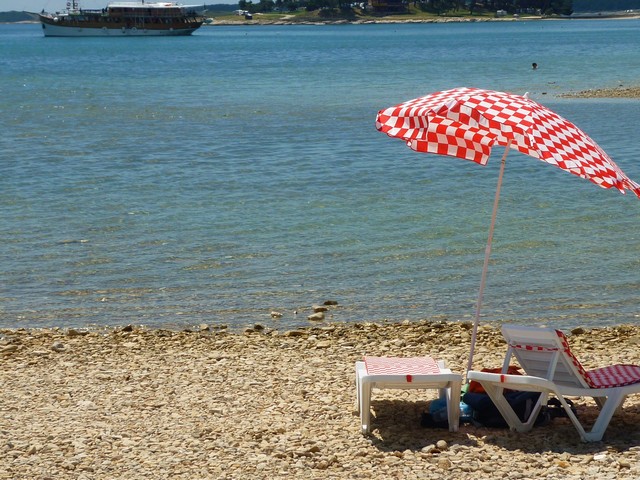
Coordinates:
x,y
551,368
406,373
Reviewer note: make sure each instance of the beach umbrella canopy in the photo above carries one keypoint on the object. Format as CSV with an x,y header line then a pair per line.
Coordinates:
x,y
467,122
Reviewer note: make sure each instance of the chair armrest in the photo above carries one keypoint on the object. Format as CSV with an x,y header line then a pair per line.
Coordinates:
x,y
516,382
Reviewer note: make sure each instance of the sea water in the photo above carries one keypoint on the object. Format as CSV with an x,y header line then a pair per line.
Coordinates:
x,y
219,177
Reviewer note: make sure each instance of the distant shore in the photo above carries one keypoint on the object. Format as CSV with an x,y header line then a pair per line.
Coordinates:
x,y
258,19
291,19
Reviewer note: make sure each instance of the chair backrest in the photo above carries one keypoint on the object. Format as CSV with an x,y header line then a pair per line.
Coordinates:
x,y
545,352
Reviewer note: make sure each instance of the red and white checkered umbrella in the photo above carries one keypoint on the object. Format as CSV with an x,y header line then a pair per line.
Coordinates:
x,y
466,122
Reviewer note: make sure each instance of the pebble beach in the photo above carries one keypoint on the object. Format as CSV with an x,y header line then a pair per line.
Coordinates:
x,y
132,403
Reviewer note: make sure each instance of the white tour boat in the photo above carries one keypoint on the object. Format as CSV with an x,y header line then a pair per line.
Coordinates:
x,y
123,18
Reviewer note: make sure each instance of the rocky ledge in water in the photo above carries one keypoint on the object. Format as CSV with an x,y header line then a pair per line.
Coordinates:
x,y
136,403
616,92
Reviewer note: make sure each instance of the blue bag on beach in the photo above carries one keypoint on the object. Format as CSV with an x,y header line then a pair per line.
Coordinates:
x,y
486,413
437,415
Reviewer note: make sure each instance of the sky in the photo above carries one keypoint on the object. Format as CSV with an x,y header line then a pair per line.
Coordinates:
x,y
57,5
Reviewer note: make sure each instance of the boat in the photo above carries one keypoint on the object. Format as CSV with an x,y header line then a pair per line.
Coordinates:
x,y
119,19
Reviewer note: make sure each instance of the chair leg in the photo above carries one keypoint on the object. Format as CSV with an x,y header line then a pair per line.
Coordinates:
x,y
357,387
453,405
602,400
535,411
365,406
609,407
614,401
512,419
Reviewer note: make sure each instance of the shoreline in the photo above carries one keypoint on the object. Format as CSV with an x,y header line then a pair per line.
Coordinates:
x,y
135,403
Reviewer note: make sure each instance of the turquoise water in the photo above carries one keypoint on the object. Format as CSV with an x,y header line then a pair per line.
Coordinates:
x,y
215,178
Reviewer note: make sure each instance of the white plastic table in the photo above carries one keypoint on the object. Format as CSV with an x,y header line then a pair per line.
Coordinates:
x,y
406,373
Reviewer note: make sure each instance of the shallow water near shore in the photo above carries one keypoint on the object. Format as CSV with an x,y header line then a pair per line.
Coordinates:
x,y
216,178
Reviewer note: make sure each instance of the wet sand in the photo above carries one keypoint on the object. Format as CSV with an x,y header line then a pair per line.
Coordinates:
x,y
154,404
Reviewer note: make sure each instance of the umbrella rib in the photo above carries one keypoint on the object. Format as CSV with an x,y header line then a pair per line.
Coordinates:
x,y
487,254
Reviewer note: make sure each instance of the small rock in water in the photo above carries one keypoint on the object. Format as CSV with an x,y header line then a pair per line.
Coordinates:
x,y
316,316
275,314
319,308
330,302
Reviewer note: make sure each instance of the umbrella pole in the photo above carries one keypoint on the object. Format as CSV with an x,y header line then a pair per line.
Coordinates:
x,y
487,254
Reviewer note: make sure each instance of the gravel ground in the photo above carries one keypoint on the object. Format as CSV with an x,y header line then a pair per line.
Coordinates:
x,y
154,404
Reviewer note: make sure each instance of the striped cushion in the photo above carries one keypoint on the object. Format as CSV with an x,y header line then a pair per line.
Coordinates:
x,y
614,376
605,377
401,366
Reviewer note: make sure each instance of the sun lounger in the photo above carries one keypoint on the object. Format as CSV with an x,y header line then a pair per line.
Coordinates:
x,y
551,369
406,373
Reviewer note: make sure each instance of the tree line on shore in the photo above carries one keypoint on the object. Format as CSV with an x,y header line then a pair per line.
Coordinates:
x,y
438,7
605,5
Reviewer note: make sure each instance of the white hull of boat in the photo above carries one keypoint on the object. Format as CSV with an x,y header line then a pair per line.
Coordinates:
x,y
77,31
